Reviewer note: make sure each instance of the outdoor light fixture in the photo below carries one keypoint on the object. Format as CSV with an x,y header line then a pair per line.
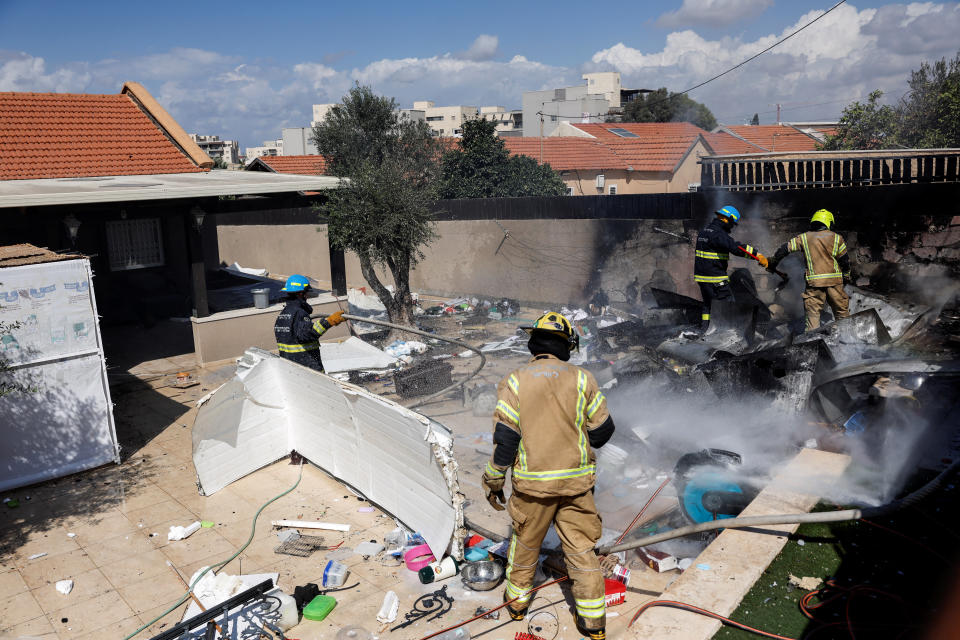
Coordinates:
x,y
198,216
73,226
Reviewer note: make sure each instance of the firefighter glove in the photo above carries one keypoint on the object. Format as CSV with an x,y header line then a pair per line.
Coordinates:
x,y
762,259
335,318
493,488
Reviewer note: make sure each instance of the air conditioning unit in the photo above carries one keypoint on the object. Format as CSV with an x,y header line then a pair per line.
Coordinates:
x,y
613,190
600,181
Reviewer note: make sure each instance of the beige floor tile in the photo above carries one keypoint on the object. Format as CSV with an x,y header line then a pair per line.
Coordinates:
x,y
223,507
135,568
52,541
205,543
46,571
92,528
11,584
119,629
19,608
160,512
86,585
165,622
37,629
236,533
140,498
144,595
119,547
99,613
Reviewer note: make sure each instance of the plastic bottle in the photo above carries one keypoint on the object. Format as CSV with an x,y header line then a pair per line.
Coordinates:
x,y
334,574
289,616
437,571
460,633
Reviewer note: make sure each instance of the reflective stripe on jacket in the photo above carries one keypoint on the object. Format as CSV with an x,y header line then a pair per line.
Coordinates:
x,y
820,251
713,249
295,331
552,405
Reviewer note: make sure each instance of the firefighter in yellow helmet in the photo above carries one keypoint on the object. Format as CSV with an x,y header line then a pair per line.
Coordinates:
x,y
550,416
827,268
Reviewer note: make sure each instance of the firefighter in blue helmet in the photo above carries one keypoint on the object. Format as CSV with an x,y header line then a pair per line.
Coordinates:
x,y
713,249
297,335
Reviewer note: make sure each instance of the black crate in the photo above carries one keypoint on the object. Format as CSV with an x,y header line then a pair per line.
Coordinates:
x,y
423,378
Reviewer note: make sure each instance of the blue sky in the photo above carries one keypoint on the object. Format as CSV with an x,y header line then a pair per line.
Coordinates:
x,y
245,69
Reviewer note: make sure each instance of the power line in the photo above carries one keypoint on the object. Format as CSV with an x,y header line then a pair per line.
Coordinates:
x,y
753,57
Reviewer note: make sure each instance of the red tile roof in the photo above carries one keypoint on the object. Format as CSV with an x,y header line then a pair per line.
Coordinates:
x,y
566,154
774,137
661,154
64,135
724,144
641,129
310,165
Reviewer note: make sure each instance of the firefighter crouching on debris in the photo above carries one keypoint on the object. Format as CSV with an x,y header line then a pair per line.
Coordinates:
x,y
550,416
713,249
827,268
297,335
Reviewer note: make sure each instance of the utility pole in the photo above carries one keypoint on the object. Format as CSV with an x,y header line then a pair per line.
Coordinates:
x,y
778,112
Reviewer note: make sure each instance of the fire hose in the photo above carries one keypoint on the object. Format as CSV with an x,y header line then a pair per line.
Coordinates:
x,y
400,327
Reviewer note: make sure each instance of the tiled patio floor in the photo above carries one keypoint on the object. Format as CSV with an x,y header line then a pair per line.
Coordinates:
x,y
120,515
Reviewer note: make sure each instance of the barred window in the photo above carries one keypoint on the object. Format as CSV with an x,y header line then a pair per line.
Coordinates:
x,y
134,244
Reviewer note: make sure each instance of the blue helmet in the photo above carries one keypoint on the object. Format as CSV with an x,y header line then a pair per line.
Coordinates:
x,y
296,283
730,213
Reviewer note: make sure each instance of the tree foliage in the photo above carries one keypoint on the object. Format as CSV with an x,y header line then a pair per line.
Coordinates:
x,y
868,125
663,106
927,116
383,212
483,168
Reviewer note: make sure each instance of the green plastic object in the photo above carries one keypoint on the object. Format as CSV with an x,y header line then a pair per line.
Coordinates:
x,y
206,524
319,608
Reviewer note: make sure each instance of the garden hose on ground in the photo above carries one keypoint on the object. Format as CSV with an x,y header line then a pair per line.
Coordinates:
x,y
796,518
220,565
400,327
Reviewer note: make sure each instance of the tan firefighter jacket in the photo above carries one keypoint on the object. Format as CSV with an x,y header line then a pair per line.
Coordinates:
x,y
821,250
553,406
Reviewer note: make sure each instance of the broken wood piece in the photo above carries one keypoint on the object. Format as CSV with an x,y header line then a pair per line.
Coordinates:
x,y
309,524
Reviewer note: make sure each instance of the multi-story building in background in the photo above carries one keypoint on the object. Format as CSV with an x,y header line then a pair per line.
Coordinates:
x,y
298,141
600,96
509,123
268,148
213,146
445,121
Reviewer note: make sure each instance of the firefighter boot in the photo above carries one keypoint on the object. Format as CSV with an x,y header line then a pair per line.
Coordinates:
x,y
591,634
515,615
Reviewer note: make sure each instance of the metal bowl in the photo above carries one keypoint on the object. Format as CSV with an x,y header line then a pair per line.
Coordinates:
x,y
481,576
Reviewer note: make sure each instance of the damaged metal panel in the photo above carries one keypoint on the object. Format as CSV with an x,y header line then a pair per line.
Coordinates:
x,y
850,339
395,457
785,374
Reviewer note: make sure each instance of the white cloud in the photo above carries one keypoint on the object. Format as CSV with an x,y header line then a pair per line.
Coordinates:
x,y
842,57
712,12
485,47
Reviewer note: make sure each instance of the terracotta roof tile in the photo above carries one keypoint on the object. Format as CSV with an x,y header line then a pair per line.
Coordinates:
x,y
774,137
660,153
641,129
309,165
64,135
724,144
567,153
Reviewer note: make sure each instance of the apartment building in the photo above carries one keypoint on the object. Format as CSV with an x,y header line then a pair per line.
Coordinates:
x,y
601,95
445,121
213,146
268,148
508,123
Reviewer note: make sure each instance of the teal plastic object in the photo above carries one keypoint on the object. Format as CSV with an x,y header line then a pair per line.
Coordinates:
x,y
319,608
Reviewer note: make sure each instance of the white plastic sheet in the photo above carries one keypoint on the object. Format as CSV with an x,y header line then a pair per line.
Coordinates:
x,y
64,423
395,457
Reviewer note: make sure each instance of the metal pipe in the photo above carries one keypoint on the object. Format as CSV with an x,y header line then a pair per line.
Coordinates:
x,y
400,327
794,518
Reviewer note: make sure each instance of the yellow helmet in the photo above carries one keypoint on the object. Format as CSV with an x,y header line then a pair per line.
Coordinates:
x,y
824,216
555,323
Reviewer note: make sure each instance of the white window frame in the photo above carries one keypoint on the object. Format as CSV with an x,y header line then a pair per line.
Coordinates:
x,y
569,191
612,190
135,244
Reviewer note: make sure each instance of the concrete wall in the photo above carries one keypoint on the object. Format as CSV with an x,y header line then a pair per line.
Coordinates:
x,y
560,250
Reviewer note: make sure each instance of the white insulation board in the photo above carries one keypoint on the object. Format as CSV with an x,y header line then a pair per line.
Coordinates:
x,y
395,457
64,422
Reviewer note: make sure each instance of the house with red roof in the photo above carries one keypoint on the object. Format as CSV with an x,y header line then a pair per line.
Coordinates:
x,y
620,158
116,178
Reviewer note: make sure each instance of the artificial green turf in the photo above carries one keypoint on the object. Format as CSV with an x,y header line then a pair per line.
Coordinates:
x,y
856,553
